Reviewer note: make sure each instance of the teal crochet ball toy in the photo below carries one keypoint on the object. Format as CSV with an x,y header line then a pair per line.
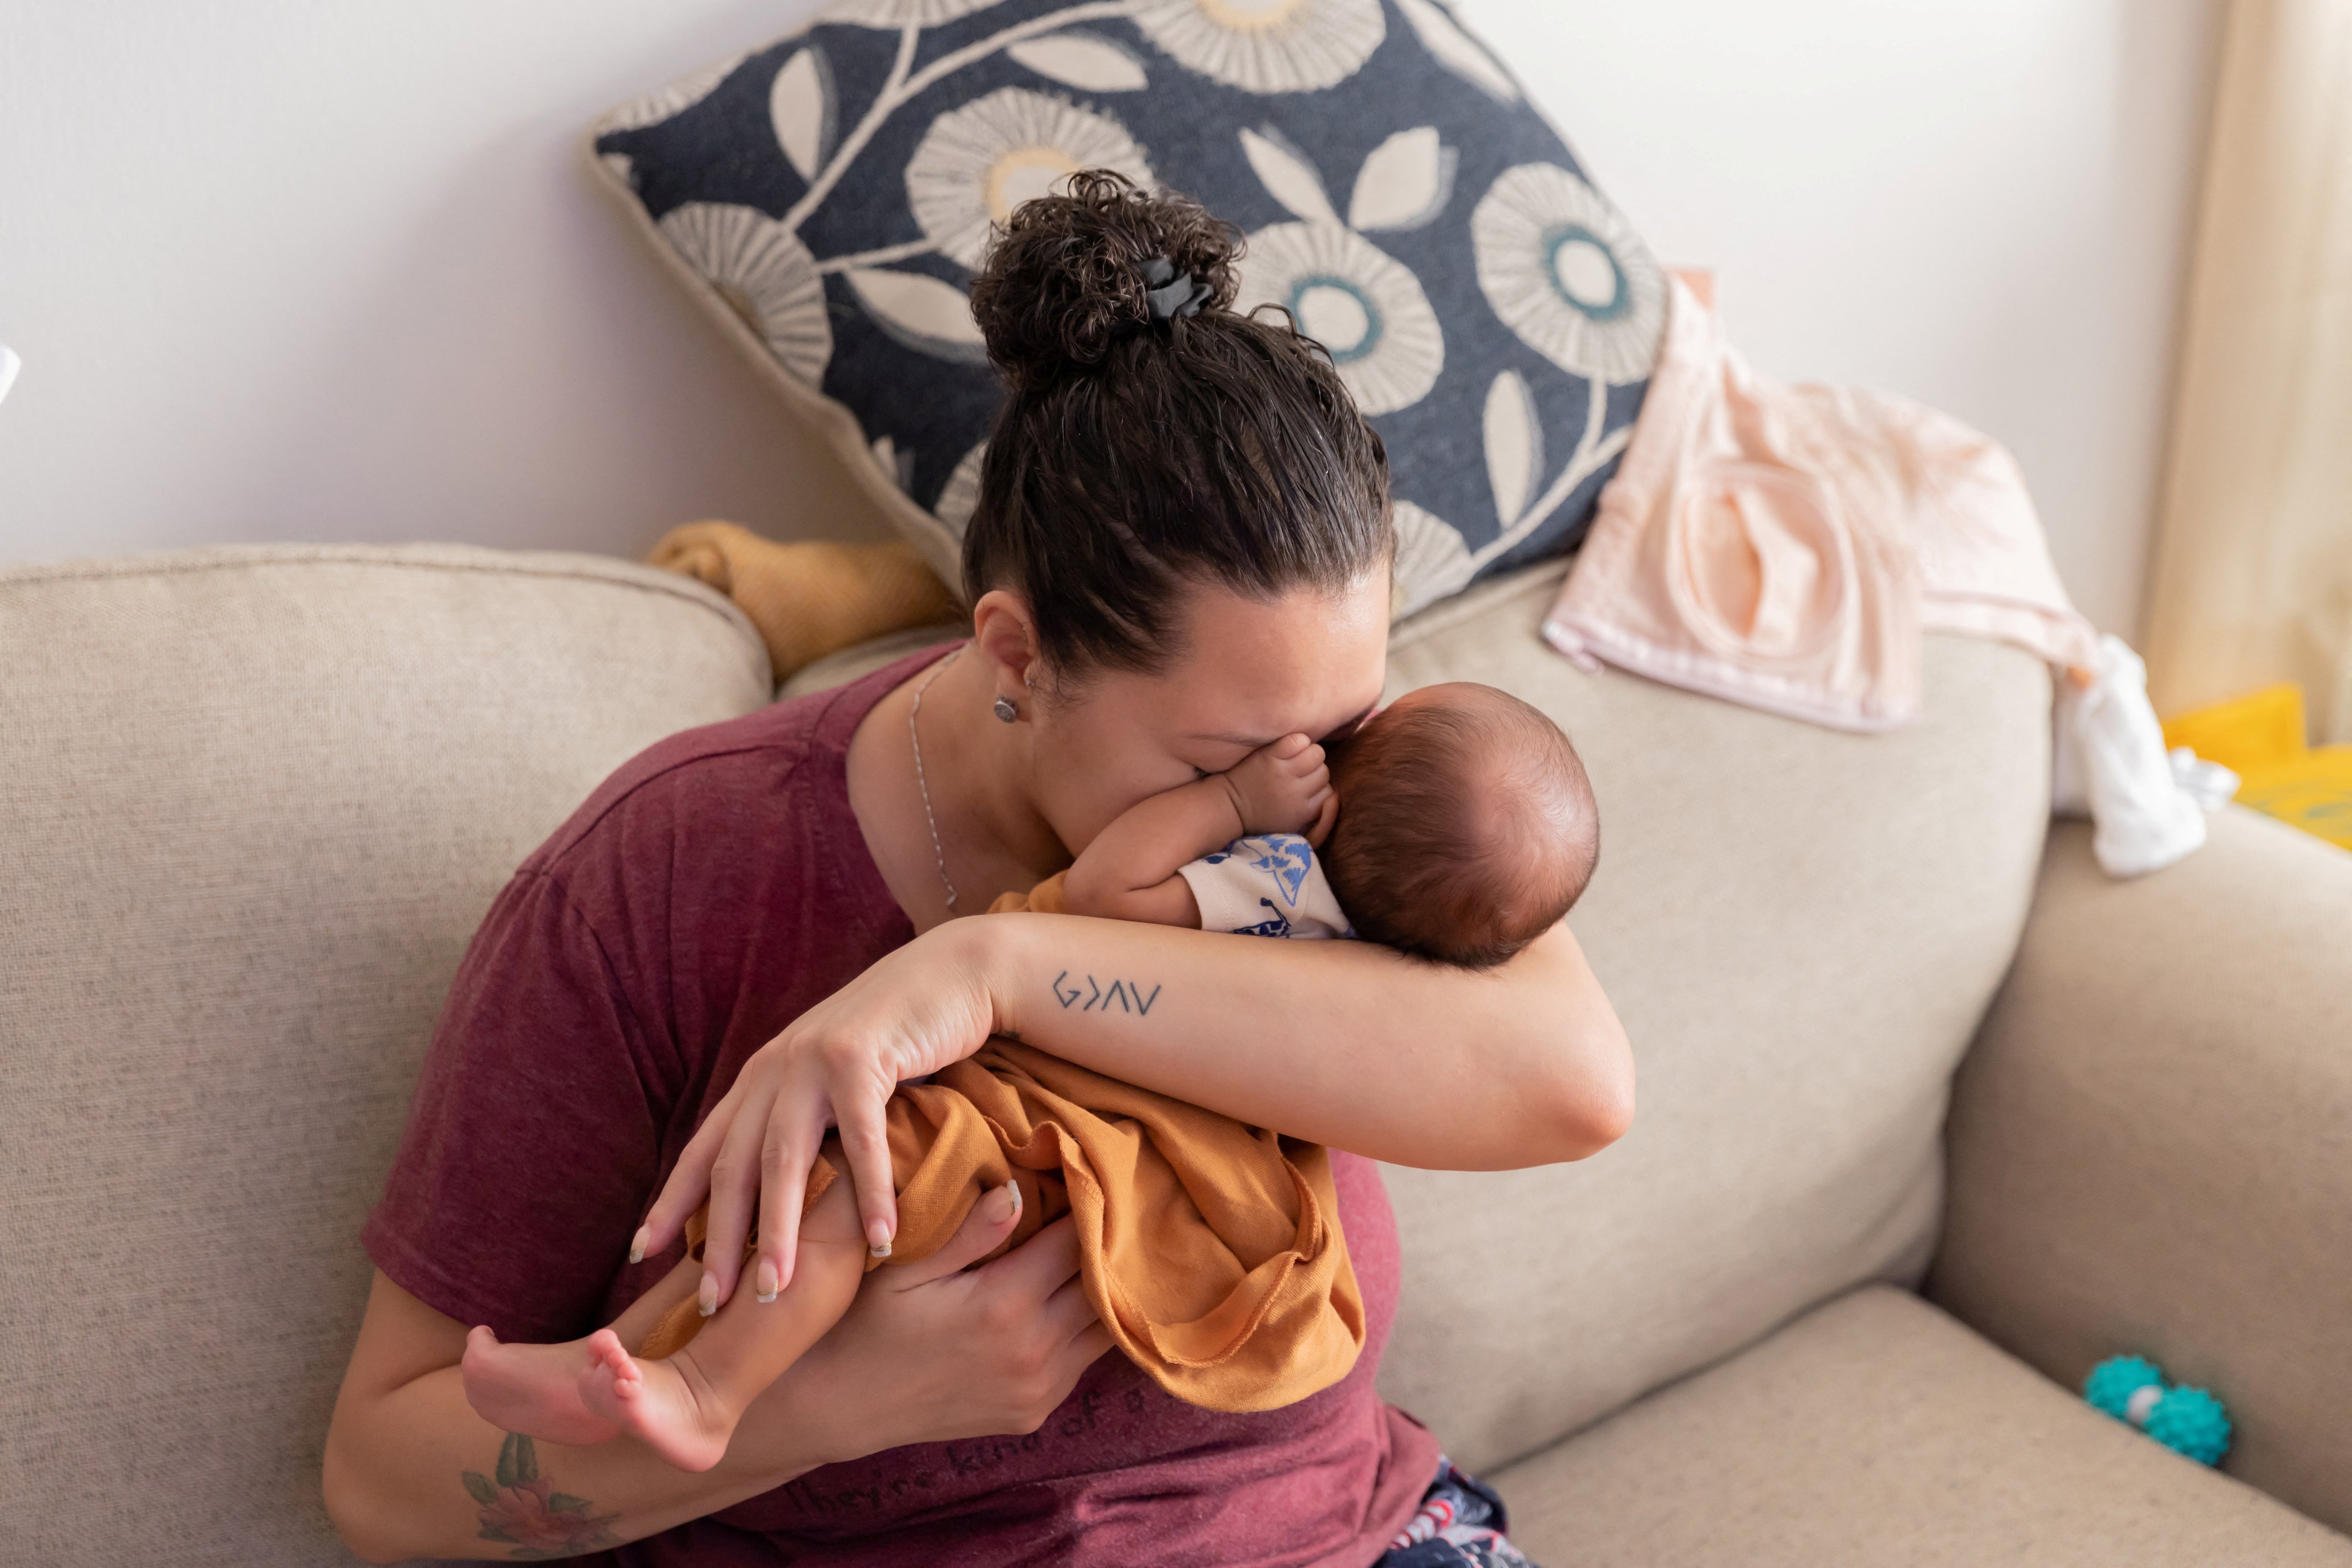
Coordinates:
x,y
2188,1421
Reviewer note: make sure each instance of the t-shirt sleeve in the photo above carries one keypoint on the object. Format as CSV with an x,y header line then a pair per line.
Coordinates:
x,y
535,1136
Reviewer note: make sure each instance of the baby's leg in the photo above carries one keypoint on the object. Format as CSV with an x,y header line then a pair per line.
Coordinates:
x,y
685,1408
535,1389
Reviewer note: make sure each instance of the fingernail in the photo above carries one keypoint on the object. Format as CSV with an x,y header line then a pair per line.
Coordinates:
x,y
1013,1202
637,1244
766,1290
709,1294
878,1239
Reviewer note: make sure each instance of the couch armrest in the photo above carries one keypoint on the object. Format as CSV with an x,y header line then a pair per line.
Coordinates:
x,y
2151,1142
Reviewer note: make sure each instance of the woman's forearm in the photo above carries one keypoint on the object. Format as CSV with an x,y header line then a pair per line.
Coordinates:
x,y
420,1475
411,1471
1341,1042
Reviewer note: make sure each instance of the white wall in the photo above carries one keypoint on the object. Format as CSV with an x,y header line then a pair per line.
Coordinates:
x,y
1984,204
292,269
287,269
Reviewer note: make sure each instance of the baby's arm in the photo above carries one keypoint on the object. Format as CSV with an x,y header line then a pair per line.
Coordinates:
x,y
1130,871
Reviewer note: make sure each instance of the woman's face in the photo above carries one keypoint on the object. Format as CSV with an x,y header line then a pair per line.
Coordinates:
x,y
1250,671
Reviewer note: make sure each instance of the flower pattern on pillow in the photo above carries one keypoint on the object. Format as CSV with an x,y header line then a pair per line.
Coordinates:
x,y
765,275
1495,318
902,12
1266,45
1549,252
1355,299
978,163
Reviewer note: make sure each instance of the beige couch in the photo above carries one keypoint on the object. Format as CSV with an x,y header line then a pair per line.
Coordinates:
x,y
1889,1031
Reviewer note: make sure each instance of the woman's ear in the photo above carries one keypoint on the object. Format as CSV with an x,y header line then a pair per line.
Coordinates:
x,y
1004,635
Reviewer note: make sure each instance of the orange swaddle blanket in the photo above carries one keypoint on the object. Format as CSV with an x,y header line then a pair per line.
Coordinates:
x,y
1210,1250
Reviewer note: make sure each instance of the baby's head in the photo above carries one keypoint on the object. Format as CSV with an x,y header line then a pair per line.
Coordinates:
x,y
1466,826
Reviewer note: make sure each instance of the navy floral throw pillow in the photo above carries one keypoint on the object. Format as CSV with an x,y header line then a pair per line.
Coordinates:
x,y
1495,317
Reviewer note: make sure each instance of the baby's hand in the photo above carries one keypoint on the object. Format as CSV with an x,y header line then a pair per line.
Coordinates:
x,y
1282,787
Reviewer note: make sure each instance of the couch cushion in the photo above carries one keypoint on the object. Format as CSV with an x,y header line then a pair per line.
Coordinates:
x,y
839,668
828,197
257,801
1878,1430
1799,928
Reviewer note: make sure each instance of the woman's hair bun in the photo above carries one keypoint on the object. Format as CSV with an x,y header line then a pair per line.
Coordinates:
x,y
1064,278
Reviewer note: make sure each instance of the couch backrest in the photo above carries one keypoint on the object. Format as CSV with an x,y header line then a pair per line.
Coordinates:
x,y
1800,929
255,803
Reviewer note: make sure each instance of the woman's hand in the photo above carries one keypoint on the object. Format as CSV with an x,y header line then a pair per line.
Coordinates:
x,y
916,1010
929,1354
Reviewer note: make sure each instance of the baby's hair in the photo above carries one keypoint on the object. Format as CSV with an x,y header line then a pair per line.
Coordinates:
x,y
1138,452
1465,866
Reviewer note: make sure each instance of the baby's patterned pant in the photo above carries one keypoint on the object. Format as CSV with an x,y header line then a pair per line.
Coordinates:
x,y
1460,1525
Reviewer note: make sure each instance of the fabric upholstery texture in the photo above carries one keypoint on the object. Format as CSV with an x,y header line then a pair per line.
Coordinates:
x,y
2151,1144
1800,929
829,196
835,669
258,800
1877,1431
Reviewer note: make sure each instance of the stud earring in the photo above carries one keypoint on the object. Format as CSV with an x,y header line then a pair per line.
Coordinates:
x,y
1005,710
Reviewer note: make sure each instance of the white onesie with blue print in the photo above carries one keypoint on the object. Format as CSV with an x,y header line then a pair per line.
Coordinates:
x,y
1266,886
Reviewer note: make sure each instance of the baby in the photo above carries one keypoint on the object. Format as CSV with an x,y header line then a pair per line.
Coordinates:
x,y
1456,824
1464,828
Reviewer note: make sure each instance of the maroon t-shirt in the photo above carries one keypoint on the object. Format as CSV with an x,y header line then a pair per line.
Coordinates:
x,y
707,894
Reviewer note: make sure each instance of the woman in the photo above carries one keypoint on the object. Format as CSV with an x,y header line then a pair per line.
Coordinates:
x,y
1181,552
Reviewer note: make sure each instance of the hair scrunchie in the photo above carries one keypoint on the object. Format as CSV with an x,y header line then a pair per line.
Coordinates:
x,y
1169,293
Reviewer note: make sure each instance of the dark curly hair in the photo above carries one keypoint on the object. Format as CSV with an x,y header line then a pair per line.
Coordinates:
x,y
1133,454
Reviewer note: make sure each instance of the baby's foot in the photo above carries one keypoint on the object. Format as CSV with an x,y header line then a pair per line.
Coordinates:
x,y
531,1389
656,1400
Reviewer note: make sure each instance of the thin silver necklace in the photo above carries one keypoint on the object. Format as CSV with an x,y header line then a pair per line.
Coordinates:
x,y
915,736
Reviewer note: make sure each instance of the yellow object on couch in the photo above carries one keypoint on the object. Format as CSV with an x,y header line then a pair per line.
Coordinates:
x,y
810,597
2260,737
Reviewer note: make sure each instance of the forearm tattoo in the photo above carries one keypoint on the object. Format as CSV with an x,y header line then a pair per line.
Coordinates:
x,y
1095,993
521,1510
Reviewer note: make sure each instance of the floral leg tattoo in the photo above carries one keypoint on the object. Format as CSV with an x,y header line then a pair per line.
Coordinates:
x,y
519,1508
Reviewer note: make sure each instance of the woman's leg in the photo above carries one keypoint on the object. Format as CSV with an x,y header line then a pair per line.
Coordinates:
x,y
686,1407
535,1389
